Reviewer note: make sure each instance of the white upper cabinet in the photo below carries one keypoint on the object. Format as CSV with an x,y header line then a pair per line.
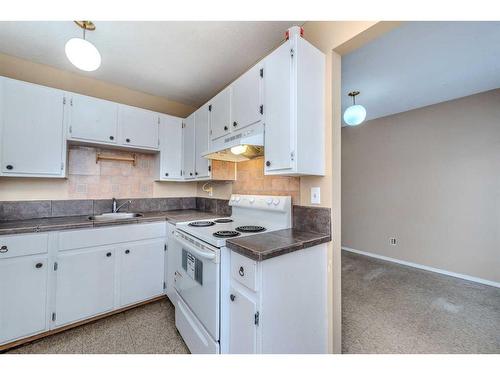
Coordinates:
x,y
220,113
92,120
294,114
138,127
278,111
188,137
32,140
246,102
170,148
202,141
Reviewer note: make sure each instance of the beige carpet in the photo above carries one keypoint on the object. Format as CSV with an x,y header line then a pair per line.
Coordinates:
x,y
390,308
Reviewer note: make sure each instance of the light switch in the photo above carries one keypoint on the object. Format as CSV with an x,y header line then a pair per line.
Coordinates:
x,y
315,195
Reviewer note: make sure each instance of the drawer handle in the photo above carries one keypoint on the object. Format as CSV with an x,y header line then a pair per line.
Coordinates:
x,y
127,140
108,254
233,297
10,167
241,272
39,265
111,137
4,249
127,251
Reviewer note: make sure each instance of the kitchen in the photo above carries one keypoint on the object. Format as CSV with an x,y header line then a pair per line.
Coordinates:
x,y
116,207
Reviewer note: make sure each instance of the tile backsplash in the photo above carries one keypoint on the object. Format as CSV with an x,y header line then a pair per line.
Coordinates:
x,y
250,179
90,180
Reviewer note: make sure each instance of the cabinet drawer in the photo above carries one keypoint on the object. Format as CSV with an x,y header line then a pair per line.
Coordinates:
x,y
20,245
83,238
244,270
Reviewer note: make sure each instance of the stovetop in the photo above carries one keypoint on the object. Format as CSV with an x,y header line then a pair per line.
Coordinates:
x,y
216,234
252,214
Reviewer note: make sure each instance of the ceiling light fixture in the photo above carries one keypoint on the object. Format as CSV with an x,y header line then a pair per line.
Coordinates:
x,y
80,52
355,114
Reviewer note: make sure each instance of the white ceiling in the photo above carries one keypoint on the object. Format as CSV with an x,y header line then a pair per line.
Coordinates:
x,y
183,61
422,63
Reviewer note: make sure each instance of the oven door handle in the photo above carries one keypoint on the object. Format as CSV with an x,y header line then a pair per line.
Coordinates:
x,y
210,256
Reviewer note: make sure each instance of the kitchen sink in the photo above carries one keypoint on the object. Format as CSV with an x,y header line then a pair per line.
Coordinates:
x,y
114,216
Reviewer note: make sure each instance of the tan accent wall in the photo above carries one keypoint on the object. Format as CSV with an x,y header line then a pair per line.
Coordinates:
x,y
38,188
24,70
428,177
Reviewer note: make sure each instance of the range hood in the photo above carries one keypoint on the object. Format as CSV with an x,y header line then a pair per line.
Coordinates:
x,y
238,146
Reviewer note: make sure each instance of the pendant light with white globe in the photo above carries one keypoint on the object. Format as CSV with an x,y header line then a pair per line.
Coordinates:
x,y
355,114
80,52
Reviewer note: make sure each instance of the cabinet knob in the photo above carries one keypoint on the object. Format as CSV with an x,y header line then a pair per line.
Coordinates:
x,y
4,249
196,173
226,128
190,173
111,137
268,163
108,254
9,167
235,123
39,265
127,140
233,297
241,271
127,251
166,174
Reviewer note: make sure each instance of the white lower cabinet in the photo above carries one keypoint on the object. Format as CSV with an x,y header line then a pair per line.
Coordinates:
x,y
49,280
141,271
84,284
242,316
277,306
23,297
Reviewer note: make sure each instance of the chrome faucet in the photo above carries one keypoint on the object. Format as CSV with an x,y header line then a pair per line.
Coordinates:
x,y
115,208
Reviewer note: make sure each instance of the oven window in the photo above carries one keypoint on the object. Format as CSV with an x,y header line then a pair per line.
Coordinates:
x,y
193,266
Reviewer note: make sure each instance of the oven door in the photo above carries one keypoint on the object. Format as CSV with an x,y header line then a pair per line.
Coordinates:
x,y
197,279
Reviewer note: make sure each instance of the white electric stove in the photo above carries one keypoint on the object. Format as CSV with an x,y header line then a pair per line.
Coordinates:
x,y
202,264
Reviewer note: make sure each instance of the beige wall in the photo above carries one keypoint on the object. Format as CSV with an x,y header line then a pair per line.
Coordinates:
x,y
30,188
430,178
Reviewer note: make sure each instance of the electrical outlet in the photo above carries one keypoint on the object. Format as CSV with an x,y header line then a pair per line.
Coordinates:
x,y
393,241
315,195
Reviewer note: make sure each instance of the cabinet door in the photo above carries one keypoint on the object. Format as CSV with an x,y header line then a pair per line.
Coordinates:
x,y
242,331
170,147
141,271
202,142
85,284
32,135
278,109
138,127
220,113
93,119
23,297
246,99
188,147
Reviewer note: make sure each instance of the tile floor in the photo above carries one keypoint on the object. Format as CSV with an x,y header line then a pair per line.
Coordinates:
x,y
390,308
148,329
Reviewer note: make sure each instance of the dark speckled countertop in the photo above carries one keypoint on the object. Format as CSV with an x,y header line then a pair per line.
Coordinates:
x,y
272,244
79,222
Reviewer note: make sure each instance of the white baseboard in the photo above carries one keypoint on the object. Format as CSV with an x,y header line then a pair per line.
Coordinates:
x,y
422,267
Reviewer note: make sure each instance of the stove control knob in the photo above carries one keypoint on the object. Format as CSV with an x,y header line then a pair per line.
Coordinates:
x,y
276,202
269,201
251,200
